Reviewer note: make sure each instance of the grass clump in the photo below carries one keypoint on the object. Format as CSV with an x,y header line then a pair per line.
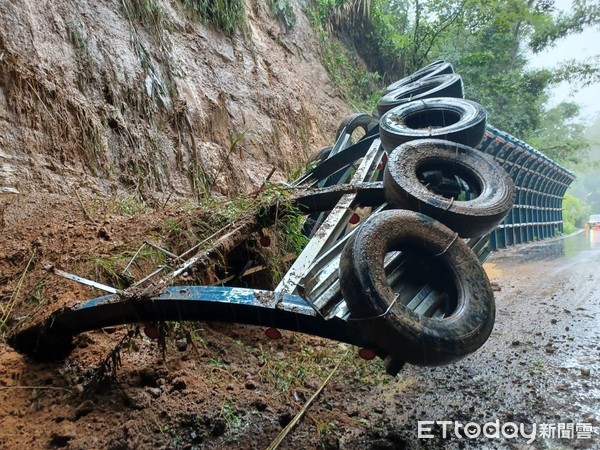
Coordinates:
x,y
282,10
7,309
234,419
150,13
127,205
293,371
111,267
300,369
281,226
226,15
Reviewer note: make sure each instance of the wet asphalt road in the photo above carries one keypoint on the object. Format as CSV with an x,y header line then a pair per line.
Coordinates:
x,y
540,367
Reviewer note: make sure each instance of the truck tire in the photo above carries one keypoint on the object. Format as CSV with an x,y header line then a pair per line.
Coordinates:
x,y
449,85
355,121
435,68
400,332
418,172
451,119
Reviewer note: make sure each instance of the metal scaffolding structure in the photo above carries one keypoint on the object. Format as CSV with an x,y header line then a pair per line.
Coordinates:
x,y
540,187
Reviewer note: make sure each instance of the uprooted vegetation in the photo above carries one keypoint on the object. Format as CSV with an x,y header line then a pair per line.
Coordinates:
x,y
249,240
263,256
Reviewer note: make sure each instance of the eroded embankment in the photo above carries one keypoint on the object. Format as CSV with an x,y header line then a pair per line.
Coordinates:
x,y
100,96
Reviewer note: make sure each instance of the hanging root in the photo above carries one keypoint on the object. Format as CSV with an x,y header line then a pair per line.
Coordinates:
x,y
108,368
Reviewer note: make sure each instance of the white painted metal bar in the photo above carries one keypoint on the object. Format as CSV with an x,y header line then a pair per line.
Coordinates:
x,y
329,230
82,280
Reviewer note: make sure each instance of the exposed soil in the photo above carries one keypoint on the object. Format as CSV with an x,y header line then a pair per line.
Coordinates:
x,y
98,98
232,387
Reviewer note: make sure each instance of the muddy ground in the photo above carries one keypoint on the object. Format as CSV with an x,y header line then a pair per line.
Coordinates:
x,y
231,387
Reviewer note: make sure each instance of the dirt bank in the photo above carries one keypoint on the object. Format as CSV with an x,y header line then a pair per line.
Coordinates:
x,y
145,97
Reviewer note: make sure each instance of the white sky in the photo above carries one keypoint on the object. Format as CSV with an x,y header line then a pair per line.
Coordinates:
x,y
577,47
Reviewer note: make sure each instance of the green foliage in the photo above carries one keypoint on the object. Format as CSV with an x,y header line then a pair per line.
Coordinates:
x,y
149,13
374,28
128,205
290,228
560,136
487,56
575,213
431,21
226,15
587,184
283,11
358,86
111,267
587,187
584,73
582,14
289,239
347,13
513,98
387,38
233,418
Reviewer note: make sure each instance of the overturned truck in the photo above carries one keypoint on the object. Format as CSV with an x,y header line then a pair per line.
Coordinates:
x,y
398,211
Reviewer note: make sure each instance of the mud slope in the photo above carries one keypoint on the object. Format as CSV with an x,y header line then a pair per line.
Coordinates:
x,y
96,96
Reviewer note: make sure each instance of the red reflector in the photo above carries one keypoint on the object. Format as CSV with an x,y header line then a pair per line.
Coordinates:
x,y
265,241
354,219
273,333
151,331
366,354
384,159
379,166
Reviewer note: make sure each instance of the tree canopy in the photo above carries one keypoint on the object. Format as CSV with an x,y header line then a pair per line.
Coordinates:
x,y
561,136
